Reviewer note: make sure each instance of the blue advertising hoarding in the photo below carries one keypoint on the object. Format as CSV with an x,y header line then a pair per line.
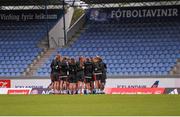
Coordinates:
x,y
105,14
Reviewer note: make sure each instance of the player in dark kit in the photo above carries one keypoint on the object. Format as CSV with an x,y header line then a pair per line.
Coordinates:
x,y
72,76
88,75
104,70
98,74
55,72
69,75
64,67
80,74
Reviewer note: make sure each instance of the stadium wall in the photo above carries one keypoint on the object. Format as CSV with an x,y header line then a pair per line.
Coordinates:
x,y
56,34
133,82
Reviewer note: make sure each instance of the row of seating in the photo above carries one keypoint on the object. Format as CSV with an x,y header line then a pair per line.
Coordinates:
x,y
131,47
12,70
18,46
7,74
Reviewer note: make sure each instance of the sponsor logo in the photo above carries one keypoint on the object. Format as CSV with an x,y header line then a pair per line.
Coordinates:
x,y
18,91
94,14
97,14
134,90
47,92
143,13
172,91
41,91
155,85
5,83
30,83
175,91
28,15
131,86
30,86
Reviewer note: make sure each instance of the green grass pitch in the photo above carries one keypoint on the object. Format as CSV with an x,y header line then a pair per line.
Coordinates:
x,y
90,105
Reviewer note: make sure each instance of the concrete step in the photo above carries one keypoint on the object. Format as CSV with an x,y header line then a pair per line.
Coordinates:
x,y
44,58
176,69
39,62
178,65
43,43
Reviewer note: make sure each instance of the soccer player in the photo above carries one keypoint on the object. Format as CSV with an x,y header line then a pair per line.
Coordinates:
x,y
97,74
88,75
72,76
64,67
80,74
55,72
104,70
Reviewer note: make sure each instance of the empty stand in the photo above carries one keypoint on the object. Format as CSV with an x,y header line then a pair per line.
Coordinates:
x,y
18,45
129,47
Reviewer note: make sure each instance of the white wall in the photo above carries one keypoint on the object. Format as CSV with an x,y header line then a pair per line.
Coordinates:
x,y
56,34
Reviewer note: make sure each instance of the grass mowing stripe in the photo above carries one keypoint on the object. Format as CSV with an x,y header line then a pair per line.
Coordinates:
x,y
90,105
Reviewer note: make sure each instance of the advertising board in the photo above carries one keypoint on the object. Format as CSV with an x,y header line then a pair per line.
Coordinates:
x,y
143,82
5,83
134,90
30,83
24,91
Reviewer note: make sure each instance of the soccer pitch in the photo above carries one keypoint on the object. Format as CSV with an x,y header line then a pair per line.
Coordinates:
x,y
150,105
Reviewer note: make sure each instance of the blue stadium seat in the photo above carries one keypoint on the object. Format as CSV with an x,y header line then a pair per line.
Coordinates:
x,y
18,45
132,47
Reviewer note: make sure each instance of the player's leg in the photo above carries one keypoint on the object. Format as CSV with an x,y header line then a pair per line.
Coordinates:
x,y
103,81
99,83
80,87
74,88
96,84
80,83
51,86
88,86
58,83
70,88
66,85
61,84
74,84
92,85
55,83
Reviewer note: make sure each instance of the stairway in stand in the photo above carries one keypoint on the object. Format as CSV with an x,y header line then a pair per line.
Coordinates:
x,y
31,70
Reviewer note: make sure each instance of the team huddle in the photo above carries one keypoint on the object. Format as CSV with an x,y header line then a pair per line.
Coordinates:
x,y
85,76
